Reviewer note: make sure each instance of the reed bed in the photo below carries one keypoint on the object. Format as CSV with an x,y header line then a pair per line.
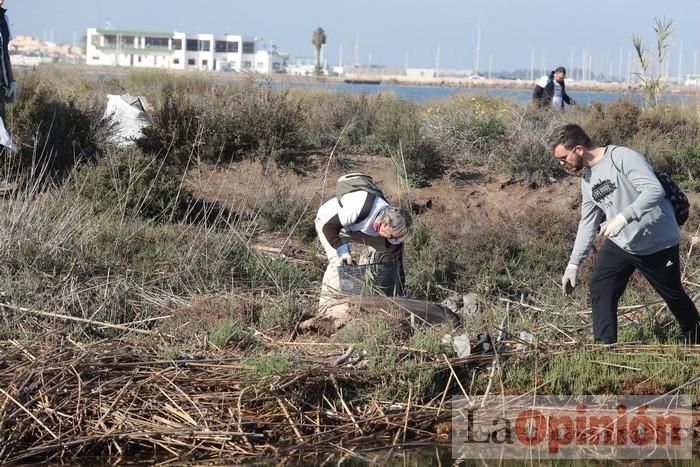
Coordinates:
x,y
115,399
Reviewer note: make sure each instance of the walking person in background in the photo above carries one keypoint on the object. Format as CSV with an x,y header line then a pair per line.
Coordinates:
x,y
641,230
550,90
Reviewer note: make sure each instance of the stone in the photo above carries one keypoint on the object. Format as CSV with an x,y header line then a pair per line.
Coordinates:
x,y
462,346
525,337
453,302
470,304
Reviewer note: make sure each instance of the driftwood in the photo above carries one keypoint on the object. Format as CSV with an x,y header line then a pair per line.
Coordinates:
x,y
341,312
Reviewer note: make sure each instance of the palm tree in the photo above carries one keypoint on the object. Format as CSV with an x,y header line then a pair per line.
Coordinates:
x,y
318,40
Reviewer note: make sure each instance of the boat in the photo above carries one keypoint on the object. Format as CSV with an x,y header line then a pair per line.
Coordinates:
x,y
362,81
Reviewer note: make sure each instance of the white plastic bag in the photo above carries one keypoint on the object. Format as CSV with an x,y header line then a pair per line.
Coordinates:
x,y
128,117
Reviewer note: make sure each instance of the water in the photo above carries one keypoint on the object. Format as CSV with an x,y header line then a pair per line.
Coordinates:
x,y
427,93
441,455
421,94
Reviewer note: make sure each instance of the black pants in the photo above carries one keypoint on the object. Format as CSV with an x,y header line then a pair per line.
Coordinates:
x,y
611,273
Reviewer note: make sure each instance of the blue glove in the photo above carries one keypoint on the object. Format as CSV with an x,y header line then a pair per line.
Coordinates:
x,y
344,254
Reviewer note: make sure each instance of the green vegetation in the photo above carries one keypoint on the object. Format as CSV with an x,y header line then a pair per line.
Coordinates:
x,y
318,40
120,235
652,81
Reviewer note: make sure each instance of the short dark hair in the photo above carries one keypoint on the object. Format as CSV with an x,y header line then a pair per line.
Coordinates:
x,y
560,69
570,136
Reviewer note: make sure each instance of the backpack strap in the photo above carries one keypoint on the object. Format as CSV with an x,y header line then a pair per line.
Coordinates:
x,y
366,208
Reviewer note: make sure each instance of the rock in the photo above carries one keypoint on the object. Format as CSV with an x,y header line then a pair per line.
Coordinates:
x,y
447,340
525,337
462,346
470,304
453,302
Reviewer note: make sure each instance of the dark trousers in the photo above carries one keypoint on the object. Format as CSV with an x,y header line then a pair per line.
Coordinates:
x,y
611,274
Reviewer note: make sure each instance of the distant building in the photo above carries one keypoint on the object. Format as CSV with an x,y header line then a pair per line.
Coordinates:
x,y
177,50
29,51
303,66
692,80
420,73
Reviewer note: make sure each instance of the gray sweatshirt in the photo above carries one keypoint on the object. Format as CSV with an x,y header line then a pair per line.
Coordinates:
x,y
623,182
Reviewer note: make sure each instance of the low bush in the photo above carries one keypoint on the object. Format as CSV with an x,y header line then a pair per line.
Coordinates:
x,y
136,184
282,212
531,159
399,134
466,128
335,114
50,127
674,122
225,123
614,123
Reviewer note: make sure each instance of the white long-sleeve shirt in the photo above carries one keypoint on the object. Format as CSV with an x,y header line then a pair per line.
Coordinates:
x,y
336,218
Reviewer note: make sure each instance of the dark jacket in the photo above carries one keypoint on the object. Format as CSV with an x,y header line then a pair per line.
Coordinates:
x,y
6,76
543,95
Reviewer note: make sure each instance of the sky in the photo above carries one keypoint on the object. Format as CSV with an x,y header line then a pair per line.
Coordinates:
x,y
514,34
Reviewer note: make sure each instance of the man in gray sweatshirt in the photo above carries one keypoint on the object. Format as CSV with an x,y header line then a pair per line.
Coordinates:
x,y
640,227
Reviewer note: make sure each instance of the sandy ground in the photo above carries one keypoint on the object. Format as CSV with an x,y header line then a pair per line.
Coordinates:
x,y
463,199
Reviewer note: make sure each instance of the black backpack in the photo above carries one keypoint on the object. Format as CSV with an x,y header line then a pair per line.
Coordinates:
x,y
678,199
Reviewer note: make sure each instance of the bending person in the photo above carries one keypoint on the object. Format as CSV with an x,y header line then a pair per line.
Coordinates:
x,y
365,218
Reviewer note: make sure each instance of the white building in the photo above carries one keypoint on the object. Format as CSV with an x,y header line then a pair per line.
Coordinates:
x,y
177,50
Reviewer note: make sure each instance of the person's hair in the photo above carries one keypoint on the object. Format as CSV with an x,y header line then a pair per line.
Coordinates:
x,y
569,136
399,221
560,69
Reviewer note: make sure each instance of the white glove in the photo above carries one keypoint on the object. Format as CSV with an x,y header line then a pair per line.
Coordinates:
x,y
11,90
344,254
568,280
612,227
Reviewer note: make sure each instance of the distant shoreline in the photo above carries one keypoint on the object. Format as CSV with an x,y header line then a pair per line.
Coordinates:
x,y
445,82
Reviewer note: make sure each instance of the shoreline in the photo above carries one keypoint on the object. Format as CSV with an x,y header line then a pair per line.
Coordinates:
x,y
392,80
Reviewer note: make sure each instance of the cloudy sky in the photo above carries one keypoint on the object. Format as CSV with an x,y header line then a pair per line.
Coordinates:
x,y
514,34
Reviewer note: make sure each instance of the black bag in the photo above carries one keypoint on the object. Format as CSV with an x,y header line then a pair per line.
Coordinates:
x,y
678,199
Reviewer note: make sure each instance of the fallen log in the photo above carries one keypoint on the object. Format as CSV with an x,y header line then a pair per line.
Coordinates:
x,y
343,311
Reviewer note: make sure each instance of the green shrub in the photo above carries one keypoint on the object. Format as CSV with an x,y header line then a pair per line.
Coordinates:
x,y
431,261
530,159
226,122
175,125
281,210
671,121
615,123
398,134
137,184
467,128
331,114
226,332
686,167
49,128
274,363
